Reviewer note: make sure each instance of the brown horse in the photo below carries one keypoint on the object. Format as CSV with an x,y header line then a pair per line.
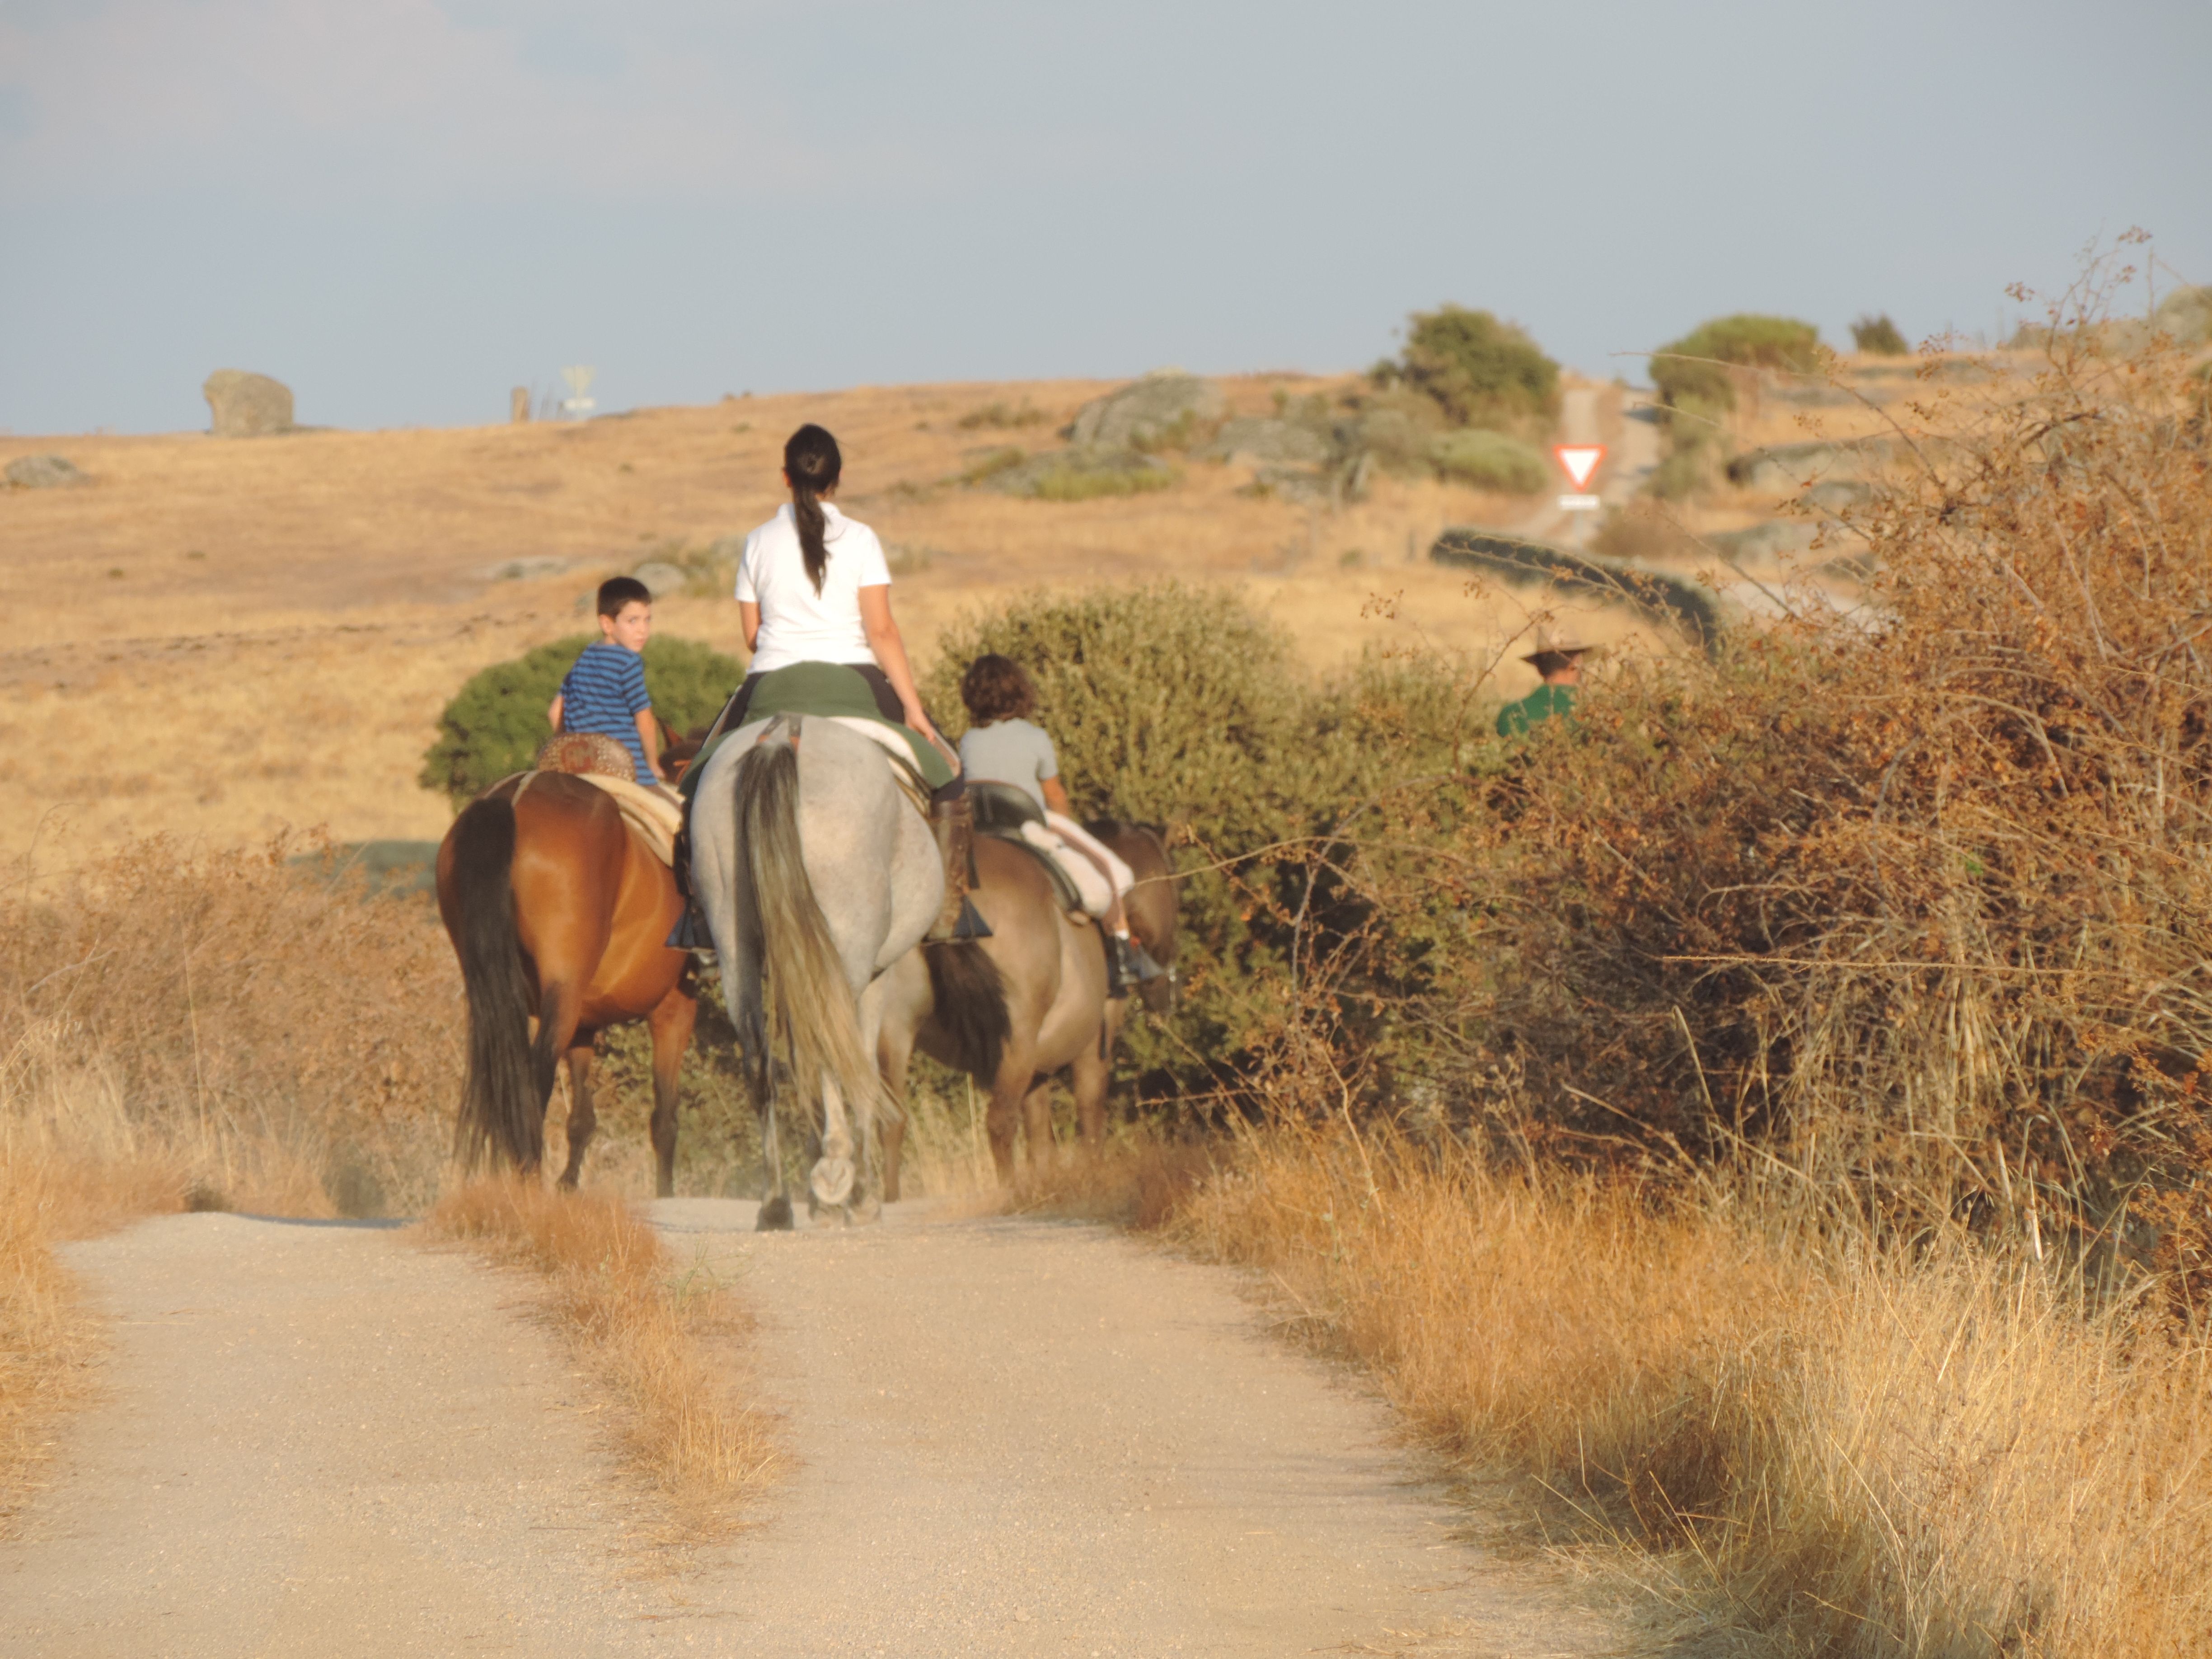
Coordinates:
x,y
558,912
1051,972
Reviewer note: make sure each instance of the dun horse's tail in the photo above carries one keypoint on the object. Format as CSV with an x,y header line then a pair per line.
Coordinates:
x,y
970,998
808,1005
503,1105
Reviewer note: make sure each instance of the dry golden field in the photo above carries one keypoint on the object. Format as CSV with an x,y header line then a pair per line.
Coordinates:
x,y
219,638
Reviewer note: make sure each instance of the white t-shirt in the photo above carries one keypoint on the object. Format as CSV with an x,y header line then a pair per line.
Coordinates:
x,y
797,624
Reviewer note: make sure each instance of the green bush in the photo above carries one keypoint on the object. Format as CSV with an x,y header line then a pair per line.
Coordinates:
x,y
1878,336
1480,371
495,723
1490,460
1178,707
1069,475
1083,483
1692,372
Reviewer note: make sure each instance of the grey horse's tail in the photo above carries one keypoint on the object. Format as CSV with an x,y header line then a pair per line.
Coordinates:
x,y
808,1008
503,1099
970,999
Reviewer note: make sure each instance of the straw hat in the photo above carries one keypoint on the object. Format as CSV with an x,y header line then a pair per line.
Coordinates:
x,y
1560,643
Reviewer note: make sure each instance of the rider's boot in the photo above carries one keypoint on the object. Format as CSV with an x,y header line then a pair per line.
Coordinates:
x,y
953,823
690,932
1120,966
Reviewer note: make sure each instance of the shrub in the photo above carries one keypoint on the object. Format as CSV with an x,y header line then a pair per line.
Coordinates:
x,y
1878,336
1914,898
1175,706
1084,484
1000,417
1490,460
1642,533
1069,475
1480,371
1693,370
495,723
2186,314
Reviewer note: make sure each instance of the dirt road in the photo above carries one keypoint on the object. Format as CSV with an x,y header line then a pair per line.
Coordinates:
x,y
1012,1437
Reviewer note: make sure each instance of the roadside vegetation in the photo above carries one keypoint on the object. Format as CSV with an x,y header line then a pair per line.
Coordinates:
x,y
1760,1131
637,1322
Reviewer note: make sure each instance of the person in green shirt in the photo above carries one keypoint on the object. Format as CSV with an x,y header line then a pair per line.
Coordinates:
x,y
1558,659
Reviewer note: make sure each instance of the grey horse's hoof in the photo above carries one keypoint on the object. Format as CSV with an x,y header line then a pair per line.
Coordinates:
x,y
775,1216
865,1208
832,1181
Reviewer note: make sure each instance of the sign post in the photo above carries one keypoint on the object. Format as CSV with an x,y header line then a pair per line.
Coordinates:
x,y
578,400
1580,463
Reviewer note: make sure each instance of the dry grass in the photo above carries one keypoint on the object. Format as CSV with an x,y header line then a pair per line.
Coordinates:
x,y
182,1030
290,615
1798,1447
642,1328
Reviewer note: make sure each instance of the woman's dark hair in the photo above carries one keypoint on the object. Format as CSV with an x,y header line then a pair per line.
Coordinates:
x,y
810,458
994,687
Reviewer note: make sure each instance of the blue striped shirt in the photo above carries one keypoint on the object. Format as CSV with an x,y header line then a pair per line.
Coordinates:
x,y
605,693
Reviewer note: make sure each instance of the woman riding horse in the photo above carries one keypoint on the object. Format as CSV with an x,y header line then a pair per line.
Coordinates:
x,y
813,868
814,586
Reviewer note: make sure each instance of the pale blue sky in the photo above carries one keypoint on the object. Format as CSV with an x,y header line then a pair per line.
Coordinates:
x,y
404,207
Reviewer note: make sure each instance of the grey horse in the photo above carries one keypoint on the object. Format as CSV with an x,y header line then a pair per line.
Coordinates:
x,y
815,875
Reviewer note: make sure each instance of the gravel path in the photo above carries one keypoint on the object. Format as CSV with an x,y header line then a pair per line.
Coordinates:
x,y
1013,1437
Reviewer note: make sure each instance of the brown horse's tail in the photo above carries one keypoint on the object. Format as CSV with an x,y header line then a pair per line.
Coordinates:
x,y
503,1101
809,1008
970,998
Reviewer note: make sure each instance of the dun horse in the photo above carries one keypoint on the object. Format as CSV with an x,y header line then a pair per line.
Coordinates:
x,y
1057,1015
559,913
815,875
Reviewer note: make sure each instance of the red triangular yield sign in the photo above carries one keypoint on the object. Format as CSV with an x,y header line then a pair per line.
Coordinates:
x,y
1580,460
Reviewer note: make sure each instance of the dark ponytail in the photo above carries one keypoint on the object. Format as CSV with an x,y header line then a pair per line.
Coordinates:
x,y
812,463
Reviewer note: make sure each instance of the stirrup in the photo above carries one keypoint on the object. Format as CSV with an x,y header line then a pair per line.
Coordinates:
x,y
690,932
1145,964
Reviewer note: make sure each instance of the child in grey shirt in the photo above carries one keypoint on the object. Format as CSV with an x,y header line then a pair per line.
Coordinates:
x,y
1002,745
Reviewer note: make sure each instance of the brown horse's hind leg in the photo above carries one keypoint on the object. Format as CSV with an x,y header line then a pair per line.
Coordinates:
x,y
1037,1113
583,1122
671,1024
1092,1073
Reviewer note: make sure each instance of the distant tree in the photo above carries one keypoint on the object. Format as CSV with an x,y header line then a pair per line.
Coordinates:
x,y
1878,336
1480,371
1692,372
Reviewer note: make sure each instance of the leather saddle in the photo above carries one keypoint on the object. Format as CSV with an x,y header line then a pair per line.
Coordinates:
x,y
1001,810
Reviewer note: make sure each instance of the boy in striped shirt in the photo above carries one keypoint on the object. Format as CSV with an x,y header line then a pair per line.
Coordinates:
x,y
604,692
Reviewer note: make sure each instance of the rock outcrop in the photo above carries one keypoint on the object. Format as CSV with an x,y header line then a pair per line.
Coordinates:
x,y
1163,407
43,472
246,406
1271,443
661,579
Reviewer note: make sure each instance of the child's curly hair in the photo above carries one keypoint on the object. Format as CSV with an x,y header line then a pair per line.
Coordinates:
x,y
995,687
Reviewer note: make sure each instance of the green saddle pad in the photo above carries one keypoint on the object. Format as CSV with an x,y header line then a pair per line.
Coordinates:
x,y
832,690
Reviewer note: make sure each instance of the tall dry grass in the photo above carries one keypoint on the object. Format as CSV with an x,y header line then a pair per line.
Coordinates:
x,y
641,1325
1797,1441
181,1029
